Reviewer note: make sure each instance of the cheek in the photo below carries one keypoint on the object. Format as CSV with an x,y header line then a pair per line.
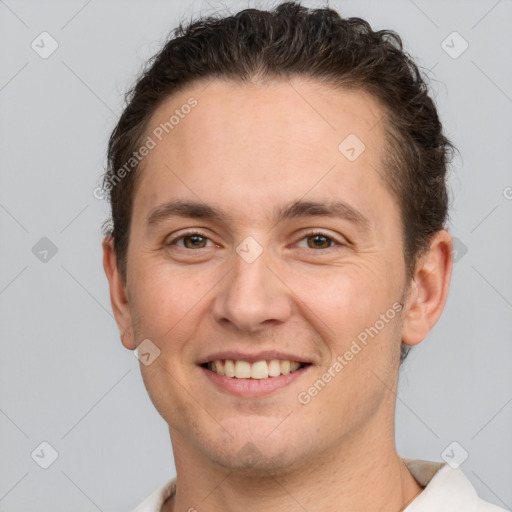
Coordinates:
x,y
167,299
344,305
344,297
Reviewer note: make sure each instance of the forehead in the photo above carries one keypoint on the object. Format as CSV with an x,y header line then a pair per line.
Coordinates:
x,y
253,146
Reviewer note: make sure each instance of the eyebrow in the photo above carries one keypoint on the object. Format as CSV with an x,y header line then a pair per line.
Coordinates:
x,y
297,209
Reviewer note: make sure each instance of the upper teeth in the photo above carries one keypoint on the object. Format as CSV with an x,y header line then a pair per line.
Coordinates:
x,y
257,370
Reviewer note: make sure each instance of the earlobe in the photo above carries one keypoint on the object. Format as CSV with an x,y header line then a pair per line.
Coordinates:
x,y
128,339
118,296
428,289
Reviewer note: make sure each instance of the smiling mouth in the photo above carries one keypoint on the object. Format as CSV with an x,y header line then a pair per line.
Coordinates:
x,y
258,370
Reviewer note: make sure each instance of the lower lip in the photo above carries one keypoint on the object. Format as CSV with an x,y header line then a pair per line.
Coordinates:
x,y
253,387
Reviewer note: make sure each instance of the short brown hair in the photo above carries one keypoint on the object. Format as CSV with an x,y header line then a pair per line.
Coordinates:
x,y
288,41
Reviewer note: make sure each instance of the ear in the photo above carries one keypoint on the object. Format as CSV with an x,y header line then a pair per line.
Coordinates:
x,y
428,289
118,295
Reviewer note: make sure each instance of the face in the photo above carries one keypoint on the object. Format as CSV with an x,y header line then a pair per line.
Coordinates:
x,y
256,267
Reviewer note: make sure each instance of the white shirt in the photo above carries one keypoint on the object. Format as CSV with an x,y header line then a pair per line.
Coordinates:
x,y
446,490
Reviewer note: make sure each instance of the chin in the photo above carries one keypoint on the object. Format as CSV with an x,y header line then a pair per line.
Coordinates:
x,y
253,460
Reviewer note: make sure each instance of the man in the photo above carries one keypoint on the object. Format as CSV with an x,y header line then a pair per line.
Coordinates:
x,y
278,194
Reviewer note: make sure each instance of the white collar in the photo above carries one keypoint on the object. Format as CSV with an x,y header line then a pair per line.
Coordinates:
x,y
446,489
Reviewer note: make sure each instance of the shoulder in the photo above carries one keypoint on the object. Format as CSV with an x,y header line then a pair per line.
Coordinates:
x,y
154,502
445,488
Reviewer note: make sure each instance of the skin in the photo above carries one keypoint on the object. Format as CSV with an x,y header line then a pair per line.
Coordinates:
x,y
249,149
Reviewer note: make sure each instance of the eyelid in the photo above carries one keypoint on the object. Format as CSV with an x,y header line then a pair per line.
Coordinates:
x,y
311,232
321,232
190,232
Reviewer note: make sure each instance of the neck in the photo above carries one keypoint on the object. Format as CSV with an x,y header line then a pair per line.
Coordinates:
x,y
358,476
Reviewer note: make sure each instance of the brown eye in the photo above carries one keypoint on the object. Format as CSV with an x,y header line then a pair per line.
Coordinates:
x,y
319,242
191,240
195,241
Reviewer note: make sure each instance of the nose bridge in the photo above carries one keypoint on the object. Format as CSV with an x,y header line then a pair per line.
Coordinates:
x,y
252,294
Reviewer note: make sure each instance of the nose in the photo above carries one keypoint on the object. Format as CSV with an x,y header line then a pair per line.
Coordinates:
x,y
253,297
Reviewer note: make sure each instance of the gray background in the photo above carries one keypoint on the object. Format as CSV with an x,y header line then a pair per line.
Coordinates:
x,y
65,377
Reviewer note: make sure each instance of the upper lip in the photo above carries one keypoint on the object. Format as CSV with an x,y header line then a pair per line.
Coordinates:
x,y
263,355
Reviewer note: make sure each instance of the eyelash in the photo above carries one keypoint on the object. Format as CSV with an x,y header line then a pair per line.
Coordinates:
x,y
305,235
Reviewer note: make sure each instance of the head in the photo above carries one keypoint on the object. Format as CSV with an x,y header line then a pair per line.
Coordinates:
x,y
265,119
